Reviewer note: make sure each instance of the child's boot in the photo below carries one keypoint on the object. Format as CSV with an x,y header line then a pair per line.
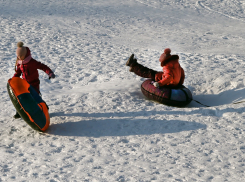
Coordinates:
x,y
131,61
16,116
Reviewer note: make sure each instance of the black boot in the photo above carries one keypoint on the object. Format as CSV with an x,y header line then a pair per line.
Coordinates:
x,y
131,61
16,116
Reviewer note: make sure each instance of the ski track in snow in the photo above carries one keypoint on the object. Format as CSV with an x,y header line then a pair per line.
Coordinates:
x,y
102,128
201,4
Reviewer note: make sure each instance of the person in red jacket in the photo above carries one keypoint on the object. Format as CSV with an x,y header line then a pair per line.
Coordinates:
x,y
173,74
27,67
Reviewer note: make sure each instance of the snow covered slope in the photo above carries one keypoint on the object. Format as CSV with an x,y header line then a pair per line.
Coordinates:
x,y
102,128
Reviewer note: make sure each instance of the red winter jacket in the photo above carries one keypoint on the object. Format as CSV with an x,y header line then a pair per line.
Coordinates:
x,y
29,72
173,74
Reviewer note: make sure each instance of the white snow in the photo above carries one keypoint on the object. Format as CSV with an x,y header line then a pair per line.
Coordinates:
x,y
102,128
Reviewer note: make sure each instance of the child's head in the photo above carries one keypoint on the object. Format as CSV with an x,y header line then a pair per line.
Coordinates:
x,y
21,51
165,55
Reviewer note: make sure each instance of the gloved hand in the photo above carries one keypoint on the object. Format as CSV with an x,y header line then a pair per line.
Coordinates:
x,y
156,84
51,75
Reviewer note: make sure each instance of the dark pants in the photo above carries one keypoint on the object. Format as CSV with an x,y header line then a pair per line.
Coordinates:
x,y
143,71
36,86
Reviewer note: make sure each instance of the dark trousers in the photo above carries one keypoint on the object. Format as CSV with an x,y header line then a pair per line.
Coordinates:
x,y
143,71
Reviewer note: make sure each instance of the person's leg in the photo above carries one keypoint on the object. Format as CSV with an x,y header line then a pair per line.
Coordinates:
x,y
131,61
143,71
37,88
139,69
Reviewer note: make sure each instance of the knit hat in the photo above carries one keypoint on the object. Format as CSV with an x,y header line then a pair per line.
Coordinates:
x,y
166,57
21,50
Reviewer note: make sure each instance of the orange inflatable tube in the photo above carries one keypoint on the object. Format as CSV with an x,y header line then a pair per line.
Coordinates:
x,y
28,103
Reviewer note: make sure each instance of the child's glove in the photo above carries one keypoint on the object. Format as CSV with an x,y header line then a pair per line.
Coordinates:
x,y
51,75
156,84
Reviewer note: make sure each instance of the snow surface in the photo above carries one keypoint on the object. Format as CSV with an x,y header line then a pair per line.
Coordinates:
x,y
102,128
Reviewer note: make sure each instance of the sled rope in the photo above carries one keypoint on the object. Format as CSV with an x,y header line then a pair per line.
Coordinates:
x,y
210,106
200,103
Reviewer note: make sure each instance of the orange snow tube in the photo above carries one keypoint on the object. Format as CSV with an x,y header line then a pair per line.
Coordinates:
x,y
28,103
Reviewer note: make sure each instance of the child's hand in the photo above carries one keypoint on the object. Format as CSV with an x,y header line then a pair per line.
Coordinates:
x,y
51,75
156,84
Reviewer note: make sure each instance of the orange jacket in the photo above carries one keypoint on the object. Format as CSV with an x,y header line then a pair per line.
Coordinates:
x,y
173,74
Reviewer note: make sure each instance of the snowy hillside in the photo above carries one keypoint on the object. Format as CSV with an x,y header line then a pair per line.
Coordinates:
x,y
102,128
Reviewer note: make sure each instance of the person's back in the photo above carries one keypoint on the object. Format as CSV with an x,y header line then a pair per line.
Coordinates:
x,y
174,69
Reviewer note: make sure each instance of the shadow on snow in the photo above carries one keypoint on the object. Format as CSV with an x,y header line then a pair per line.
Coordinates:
x,y
107,124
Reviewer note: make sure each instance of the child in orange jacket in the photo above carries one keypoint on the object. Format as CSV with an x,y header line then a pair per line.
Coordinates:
x,y
173,74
